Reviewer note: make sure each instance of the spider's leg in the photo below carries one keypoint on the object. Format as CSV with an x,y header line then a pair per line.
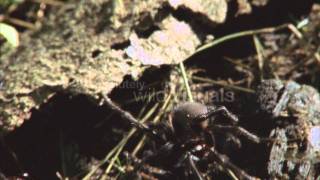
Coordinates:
x,y
150,169
212,111
226,163
239,130
164,149
126,115
193,166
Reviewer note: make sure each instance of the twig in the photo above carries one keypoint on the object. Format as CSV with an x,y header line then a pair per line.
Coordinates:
x,y
317,56
295,31
20,22
50,2
240,34
259,51
120,145
247,90
156,119
185,80
237,63
193,167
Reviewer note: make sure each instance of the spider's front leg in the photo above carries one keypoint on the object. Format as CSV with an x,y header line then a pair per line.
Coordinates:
x,y
126,115
139,166
239,131
213,111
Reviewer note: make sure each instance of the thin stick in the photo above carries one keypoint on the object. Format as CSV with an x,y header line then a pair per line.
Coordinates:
x,y
259,51
115,157
241,34
20,22
119,145
247,90
50,2
317,56
295,31
233,61
156,119
185,80
194,167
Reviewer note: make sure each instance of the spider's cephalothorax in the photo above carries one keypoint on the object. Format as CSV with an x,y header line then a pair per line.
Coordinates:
x,y
193,126
183,119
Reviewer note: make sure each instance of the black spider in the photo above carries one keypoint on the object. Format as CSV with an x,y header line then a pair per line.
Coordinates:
x,y
191,129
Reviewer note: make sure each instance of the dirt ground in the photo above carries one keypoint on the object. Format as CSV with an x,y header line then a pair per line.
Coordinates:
x,y
55,122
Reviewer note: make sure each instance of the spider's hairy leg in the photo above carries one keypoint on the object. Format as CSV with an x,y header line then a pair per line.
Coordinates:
x,y
240,131
148,168
128,116
226,163
164,149
212,111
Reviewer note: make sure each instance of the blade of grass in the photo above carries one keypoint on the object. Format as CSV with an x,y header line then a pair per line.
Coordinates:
x,y
237,63
20,22
259,50
295,31
247,90
120,144
155,120
240,34
317,56
120,149
50,2
185,81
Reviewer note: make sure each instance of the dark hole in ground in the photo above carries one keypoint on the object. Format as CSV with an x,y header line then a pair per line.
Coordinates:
x,y
37,142
93,129
121,45
145,33
95,53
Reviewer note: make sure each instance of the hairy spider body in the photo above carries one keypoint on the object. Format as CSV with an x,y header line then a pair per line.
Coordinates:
x,y
192,137
193,124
